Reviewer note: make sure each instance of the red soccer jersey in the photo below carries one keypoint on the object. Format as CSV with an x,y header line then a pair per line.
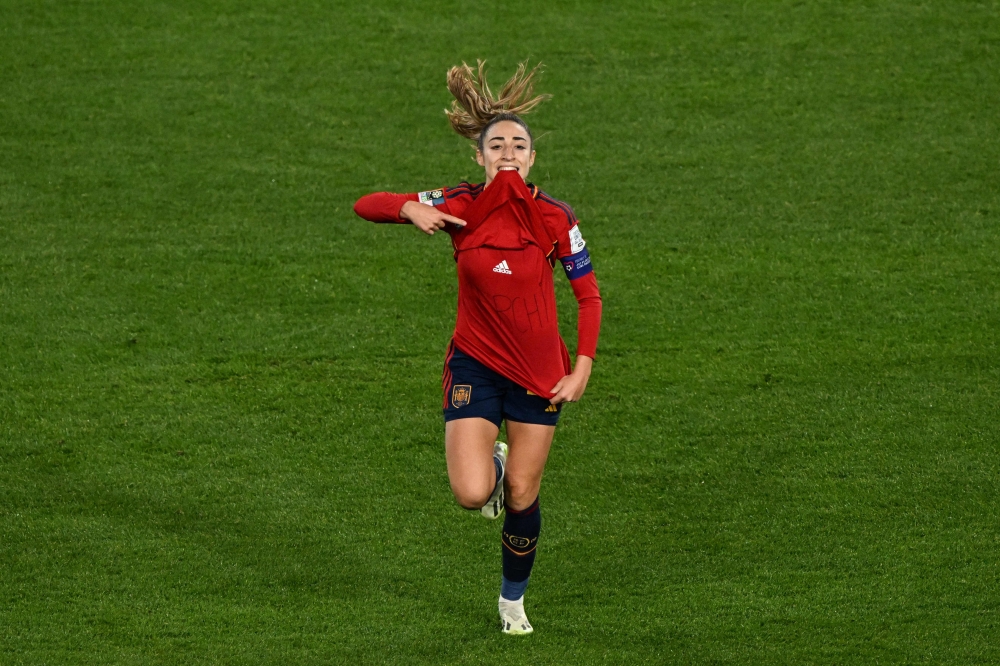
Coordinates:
x,y
506,300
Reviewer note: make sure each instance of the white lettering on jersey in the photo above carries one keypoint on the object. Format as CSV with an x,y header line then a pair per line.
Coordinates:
x,y
576,242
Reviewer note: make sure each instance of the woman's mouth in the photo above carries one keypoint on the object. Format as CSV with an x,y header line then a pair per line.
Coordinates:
x,y
508,168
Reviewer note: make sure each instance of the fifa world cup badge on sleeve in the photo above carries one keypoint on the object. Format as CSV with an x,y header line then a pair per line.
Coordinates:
x,y
432,197
460,395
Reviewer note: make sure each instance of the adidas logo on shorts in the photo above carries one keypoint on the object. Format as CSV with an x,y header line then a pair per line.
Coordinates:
x,y
502,267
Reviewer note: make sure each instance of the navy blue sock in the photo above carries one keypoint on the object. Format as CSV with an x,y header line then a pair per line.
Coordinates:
x,y
512,591
520,538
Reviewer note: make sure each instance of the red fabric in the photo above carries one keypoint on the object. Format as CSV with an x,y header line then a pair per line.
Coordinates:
x,y
588,323
507,321
382,206
507,318
514,219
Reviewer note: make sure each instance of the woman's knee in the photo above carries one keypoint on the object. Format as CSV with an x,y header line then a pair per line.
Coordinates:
x,y
520,493
470,495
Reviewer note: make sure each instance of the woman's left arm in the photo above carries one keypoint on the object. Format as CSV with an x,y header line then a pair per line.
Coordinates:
x,y
588,297
571,387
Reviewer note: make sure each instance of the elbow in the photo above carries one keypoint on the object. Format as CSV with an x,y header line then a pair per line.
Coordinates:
x,y
360,208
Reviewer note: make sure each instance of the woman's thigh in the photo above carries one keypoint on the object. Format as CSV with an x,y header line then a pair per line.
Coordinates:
x,y
468,445
529,449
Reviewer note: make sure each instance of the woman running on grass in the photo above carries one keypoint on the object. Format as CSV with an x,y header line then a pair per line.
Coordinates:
x,y
506,360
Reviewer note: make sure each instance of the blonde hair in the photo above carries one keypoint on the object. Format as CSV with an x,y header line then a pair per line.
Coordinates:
x,y
475,108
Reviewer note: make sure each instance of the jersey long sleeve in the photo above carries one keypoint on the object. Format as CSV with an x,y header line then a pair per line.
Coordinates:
x,y
588,323
383,207
571,251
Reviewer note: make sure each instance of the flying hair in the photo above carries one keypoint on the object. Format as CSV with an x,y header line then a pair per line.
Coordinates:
x,y
475,107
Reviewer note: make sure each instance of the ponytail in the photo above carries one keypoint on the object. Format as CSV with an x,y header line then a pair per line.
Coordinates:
x,y
476,109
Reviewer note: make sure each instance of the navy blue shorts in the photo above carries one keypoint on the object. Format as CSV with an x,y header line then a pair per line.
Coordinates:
x,y
473,390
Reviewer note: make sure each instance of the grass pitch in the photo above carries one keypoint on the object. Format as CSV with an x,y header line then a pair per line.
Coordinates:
x,y
219,394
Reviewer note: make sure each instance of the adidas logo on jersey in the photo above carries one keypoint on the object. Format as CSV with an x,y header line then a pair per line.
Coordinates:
x,y
502,267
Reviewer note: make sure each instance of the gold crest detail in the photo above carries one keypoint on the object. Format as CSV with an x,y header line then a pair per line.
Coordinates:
x,y
460,395
519,541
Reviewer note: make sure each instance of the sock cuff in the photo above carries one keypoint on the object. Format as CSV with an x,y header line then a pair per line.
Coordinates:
x,y
512,590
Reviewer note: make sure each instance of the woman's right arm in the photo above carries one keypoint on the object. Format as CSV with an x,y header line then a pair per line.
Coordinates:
x,y
403,208
383,206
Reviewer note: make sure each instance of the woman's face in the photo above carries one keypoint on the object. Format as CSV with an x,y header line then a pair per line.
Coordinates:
x,y
507,147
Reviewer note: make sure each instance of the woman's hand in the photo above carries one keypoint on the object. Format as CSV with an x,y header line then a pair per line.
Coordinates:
x,y
571,387
427,218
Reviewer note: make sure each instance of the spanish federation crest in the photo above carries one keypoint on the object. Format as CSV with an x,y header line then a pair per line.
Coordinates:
x,y
460,395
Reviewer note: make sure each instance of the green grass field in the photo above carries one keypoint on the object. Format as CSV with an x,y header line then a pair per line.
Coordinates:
x,y
220,436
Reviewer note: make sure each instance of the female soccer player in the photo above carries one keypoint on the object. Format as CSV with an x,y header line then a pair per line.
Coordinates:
x,y
506,360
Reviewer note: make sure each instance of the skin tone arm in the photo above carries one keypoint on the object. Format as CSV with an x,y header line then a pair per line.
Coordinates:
x,y
571,387
427,218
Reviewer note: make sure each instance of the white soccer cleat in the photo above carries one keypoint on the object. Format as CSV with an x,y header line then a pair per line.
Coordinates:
x,y
512,617
494,505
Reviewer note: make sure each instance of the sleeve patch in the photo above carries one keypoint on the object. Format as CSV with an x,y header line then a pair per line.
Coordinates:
x,y
432,197
577,265
576,242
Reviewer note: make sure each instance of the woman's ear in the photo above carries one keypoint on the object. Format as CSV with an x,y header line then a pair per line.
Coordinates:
x,y
479,158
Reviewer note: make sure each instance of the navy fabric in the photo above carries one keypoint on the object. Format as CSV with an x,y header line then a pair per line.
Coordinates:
x,y
519,539
577,265
512,591
474,390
